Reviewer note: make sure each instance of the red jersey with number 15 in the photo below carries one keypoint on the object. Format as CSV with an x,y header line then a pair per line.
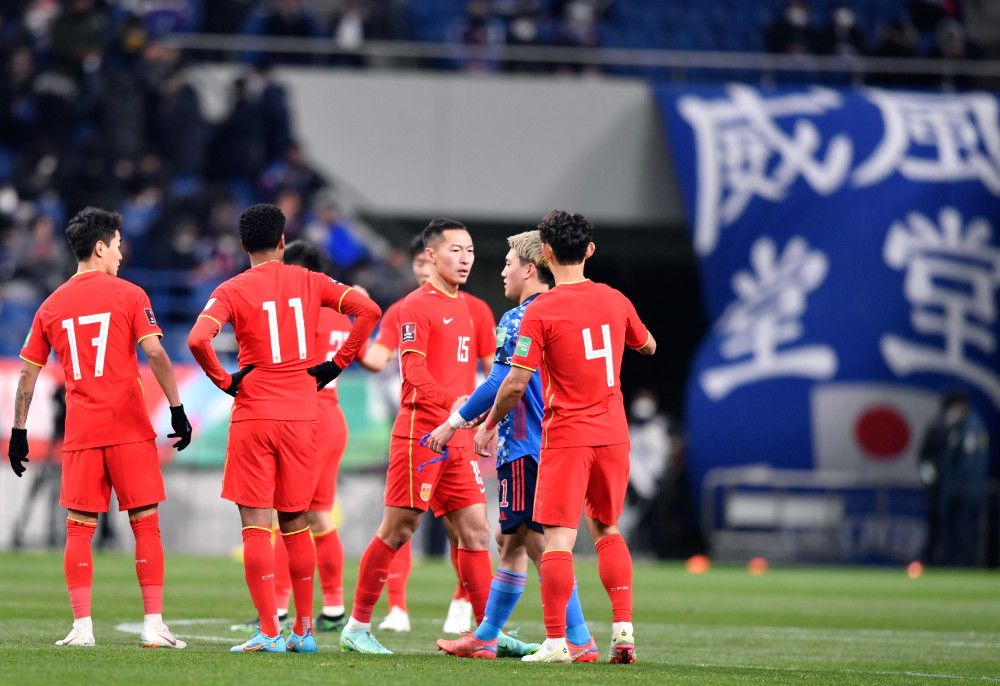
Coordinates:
x,y
93,322
577,334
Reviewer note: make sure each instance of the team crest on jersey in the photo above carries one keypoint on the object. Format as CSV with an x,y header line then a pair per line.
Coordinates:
x,y
523,346
409,333
150,316
425,492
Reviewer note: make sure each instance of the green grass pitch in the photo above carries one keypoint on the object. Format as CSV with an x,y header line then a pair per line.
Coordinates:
x,y
789,626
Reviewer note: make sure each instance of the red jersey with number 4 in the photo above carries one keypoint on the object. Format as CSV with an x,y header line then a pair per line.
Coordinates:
x,y
577,334
275,310
93,322
442,328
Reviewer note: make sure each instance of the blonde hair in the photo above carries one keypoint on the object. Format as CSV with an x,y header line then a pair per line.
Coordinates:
x,y
528,248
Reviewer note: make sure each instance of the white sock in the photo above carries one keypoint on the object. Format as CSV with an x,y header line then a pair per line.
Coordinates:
x,y
333,610
84,624
554,644
152,621
282,611
617,628
355,625
397,609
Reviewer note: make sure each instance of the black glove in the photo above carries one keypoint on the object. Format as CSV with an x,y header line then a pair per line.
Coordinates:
x,y
181,426
237,377
18,450
325,373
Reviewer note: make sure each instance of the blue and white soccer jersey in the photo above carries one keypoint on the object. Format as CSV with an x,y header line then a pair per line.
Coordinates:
x,y
519,435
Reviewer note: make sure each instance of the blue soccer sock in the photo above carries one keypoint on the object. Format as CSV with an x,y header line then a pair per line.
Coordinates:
x,y
505,591
577,632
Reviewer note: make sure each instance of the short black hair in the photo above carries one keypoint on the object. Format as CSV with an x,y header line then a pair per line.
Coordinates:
x,y
567,234
89,225
307,255
416,245
436,227
261,227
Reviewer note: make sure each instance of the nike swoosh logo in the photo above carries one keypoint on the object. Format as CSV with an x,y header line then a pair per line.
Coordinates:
x,y
169,639
448,320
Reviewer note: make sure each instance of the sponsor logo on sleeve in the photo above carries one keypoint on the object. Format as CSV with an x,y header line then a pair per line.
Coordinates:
x,y
409,332
208,305
26,339
150,316
523,346
501,336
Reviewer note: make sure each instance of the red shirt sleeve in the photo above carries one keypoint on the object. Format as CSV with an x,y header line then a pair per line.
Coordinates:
x,y
388,330
366,314
486,329
530,341
143,320
36,345
208,325
414,330
415,371
636,333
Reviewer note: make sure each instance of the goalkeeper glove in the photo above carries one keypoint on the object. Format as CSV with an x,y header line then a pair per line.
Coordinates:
x,y
324,373
237,377
17,451
181,426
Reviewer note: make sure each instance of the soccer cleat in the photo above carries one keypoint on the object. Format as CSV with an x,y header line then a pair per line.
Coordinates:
x,y
160,637
259,643
553,650
459,619
584,653
509,645
81,635
398,619
362,641
468,646
253,626
305,643
622,645
328,623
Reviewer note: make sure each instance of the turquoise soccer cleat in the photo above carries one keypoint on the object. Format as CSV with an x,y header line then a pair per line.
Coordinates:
x,y
509,645
362,642
305,643
259,643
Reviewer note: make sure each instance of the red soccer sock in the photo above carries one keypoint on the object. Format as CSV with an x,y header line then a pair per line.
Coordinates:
x,y
374,569
258,566
149,562
399,576
78,563
476,573
557,587
460,593
614,564
330,559
282,580
301,567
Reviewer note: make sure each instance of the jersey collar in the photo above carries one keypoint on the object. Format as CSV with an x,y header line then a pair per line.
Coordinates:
x,y
430,285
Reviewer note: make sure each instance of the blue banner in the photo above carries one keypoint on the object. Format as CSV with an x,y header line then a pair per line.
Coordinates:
x,y
850,265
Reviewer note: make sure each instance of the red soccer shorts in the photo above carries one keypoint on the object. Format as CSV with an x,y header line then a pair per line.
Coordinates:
x,y
132,469
570,478
270,463
331,440
414,481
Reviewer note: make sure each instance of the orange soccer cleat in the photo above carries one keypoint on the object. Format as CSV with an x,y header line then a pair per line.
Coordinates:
x,y
468,646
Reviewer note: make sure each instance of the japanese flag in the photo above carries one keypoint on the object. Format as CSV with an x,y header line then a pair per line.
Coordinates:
x,y
873,431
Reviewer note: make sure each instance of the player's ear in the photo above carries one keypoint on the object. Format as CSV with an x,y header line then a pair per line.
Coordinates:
x,y
591,249
281,242
547,252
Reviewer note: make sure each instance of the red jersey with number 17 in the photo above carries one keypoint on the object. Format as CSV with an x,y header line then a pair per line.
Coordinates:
x,y
275,311
577,334
93,322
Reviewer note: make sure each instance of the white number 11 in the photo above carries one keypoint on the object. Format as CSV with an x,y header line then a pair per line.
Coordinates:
x,y
605,352
272,325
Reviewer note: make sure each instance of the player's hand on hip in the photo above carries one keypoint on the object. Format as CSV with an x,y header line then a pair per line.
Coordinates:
x,y
439,438
325,372
234,385
17,450
181,426
484,438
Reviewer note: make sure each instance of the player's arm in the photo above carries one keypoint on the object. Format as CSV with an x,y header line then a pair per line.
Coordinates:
x,y
415,371
376,357
649,348
637,336
163,370
17,449
510,392
206,327
366,314
479,402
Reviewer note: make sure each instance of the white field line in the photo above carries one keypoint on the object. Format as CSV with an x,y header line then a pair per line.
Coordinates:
x,y
858,672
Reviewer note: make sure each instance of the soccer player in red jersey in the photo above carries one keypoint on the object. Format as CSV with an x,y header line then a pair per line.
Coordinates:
x,y
576,333
271,456
438,352
459,617
93,322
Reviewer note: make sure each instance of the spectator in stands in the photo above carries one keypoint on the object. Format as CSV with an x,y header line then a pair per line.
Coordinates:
x,y
79,34
477,38
843,35
527,27
286,18
333,231
982,20
17,107
291,170
237,146
349,29
272,102
792,33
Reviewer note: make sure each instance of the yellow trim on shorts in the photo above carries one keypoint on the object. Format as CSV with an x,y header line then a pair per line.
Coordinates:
x,y
80,521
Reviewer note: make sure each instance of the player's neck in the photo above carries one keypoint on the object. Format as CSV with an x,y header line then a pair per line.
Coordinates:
x,y
447,288
532,290
263,257
91,265
567,273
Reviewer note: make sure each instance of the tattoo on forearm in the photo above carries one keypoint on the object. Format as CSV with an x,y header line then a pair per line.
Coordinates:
x,y
22,401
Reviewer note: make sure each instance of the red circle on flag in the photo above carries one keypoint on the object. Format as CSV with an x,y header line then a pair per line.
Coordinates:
x,y
882,432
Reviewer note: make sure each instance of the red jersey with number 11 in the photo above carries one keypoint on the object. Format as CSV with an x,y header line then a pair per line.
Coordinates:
x,y
577,334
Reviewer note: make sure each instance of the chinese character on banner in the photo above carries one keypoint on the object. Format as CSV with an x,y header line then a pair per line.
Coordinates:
x,y
935,139
743,153
952,275
766,316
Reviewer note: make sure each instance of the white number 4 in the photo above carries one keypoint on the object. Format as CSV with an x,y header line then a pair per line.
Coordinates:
x,y
605,352
100,341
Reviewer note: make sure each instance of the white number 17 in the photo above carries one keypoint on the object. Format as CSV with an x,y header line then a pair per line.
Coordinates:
x,y
605,352
100,341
